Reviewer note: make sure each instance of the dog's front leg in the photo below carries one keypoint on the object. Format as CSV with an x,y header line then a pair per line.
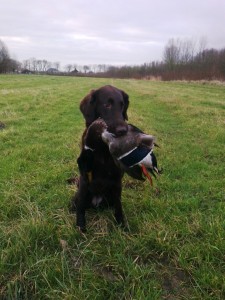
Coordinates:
x,y
80,204
81,220
119,213
118,207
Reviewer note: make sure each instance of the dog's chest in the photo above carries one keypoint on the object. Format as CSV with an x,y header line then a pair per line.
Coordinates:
x,y
96,201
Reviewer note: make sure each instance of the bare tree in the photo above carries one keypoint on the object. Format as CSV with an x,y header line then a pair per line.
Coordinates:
x,y
45,64
187,50
49,65
33,63
26,64
4,53
202,44
94,68
56,65
69,68
171,54
4,58
86,68
39,65
100,68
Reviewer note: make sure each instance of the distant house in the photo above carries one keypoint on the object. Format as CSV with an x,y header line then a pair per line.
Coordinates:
x,y
74,72
26,71
52,71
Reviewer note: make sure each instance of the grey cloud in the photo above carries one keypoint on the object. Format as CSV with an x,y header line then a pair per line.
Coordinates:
x,y
117,32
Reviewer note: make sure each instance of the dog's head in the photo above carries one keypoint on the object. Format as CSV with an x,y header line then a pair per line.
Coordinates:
x,y
108,103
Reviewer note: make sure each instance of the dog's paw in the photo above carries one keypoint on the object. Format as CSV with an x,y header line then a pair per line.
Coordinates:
x,y
95,131
82,230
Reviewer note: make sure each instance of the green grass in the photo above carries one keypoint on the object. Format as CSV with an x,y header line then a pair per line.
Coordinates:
x,y
175,245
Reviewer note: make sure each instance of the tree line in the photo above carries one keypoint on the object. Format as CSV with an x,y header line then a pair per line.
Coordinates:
x,y
42,66
182,60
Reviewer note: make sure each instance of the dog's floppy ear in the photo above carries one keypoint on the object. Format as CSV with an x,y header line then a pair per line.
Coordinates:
x,y
126,104
87,107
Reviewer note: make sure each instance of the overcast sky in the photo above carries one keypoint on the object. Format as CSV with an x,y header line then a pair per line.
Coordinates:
x,y
106,31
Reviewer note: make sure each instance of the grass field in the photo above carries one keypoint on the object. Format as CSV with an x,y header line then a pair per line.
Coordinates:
x,y
175,244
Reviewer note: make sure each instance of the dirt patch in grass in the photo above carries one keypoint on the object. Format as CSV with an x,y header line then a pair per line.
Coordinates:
x,y
175,282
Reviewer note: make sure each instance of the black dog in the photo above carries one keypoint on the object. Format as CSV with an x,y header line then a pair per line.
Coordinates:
x,y
100,177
